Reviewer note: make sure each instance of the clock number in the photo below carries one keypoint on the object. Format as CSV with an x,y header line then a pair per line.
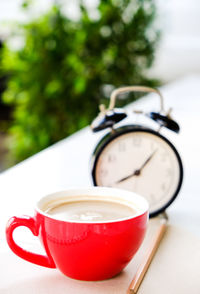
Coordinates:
x,y
152,198
137,141
153,146
103,172
164,156
163,187
169,172
111,158
122,146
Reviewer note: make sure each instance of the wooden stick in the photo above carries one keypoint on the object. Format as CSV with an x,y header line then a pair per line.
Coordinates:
x,y
135,284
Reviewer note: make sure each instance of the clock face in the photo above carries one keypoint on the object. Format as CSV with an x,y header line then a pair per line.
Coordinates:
x,y
143,162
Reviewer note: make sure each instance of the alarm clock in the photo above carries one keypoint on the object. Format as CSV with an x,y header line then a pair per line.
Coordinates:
x,y
135,157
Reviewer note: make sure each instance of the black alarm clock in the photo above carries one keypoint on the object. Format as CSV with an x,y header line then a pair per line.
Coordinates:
x,y
136,157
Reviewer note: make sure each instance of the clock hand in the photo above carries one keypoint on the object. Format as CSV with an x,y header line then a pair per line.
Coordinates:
x,y
146,161
138,171
135,173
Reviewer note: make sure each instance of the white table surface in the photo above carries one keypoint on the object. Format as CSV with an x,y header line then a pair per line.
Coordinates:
x,y
67,163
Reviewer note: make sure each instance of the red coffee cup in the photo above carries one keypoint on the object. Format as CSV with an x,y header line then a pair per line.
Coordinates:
x,y
86,250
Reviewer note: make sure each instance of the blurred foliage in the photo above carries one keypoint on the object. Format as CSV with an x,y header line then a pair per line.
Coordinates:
x,y
65,68
4,108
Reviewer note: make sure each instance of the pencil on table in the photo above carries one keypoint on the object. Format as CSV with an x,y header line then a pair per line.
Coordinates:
x,y
136,282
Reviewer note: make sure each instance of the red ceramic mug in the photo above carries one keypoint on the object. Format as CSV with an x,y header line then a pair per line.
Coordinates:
x,y
84,250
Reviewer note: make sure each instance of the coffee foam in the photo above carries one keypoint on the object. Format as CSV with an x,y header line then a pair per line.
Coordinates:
x,y
92,210
133,200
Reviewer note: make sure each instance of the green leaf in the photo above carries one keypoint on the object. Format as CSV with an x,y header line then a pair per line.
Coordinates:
x,y
54,79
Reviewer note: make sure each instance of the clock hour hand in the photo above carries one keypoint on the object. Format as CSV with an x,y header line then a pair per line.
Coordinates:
x,y
131,175
137,172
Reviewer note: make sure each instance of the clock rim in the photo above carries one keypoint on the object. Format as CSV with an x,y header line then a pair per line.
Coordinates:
x,y
107,138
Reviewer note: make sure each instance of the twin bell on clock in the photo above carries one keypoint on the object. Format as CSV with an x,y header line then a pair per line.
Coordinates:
x,y
135,157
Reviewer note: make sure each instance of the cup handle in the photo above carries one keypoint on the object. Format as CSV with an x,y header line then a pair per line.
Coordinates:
x,y
30,223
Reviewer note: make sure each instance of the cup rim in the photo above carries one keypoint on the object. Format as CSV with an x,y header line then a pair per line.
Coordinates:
x,y
138,202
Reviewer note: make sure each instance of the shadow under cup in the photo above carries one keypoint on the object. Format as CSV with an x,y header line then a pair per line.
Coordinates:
x,y
84,250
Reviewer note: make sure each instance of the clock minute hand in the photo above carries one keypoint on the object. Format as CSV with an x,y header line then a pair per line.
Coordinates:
x,y
146,161
138,171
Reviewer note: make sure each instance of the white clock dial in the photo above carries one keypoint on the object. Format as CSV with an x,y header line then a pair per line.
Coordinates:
x,y
142,162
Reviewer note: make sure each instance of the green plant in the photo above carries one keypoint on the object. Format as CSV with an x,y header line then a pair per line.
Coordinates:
x,y
64,68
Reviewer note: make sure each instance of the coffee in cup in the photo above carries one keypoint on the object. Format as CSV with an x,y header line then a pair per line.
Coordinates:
x,y
88,234
92,210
